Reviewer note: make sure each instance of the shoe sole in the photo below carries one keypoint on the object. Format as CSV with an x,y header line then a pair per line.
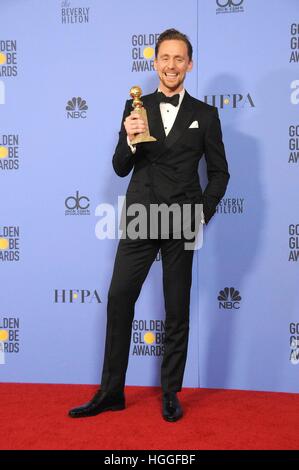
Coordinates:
x,y
172,420
112,408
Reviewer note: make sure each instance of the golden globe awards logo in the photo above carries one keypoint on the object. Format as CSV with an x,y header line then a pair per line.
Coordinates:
x,y
230,101
71,13
9,152
293,144
9,243
76,296
8,58
294,43
293,242
232,205
143,52
9,337
229,6
148,337
294,343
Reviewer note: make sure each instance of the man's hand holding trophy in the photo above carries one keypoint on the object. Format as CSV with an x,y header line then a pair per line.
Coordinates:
x,y
136,124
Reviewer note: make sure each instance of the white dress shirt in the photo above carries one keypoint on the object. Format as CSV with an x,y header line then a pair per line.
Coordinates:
x,y
168,114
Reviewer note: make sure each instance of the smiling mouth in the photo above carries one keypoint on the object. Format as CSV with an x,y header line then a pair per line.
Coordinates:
x,y
171,75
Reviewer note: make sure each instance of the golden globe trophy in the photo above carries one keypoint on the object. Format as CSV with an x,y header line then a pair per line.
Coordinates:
x,y
145,136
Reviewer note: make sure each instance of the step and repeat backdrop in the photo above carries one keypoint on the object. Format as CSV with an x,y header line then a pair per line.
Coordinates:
x,y
66,68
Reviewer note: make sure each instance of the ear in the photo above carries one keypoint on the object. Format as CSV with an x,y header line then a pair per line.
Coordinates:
x,y
190,66
155,63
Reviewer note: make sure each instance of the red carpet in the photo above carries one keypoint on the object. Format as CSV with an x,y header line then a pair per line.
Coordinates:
x,y
35,417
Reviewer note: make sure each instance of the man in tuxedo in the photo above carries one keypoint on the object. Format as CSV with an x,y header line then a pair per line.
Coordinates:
x,y
164,172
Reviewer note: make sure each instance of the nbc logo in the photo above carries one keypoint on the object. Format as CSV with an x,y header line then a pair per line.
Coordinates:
x,y
76,108
229,298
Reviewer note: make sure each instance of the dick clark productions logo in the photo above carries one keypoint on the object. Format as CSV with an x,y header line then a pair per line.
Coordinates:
x,y
229,6
77,205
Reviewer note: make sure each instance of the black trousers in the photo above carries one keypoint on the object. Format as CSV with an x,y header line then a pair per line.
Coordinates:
x,y
132,263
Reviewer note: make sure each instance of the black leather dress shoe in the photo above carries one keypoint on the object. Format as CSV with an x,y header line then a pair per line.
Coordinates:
x,y
171,407
102,401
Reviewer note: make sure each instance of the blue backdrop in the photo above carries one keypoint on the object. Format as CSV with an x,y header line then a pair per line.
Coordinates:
x,y
66,68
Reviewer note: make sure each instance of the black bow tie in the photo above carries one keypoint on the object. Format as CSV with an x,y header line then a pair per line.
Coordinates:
x,y
174,100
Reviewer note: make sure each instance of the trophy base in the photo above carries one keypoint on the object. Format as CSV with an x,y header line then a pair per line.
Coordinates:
x,y
142,138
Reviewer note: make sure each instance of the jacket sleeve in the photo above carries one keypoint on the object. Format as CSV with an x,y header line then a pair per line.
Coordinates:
x,y
123,158
217,167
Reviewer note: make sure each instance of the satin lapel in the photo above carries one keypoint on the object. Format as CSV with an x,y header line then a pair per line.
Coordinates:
x,y
155,122
182,121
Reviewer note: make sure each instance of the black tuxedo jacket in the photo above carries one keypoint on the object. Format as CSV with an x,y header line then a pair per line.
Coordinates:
x,y
166,171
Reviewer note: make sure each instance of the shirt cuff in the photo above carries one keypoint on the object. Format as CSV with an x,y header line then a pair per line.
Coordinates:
x,y
132,147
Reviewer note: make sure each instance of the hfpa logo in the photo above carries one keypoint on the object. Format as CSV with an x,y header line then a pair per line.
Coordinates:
x,y
229,298
231,101
72,296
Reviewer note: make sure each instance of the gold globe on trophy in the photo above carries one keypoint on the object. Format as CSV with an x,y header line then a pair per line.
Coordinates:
x,y
135,93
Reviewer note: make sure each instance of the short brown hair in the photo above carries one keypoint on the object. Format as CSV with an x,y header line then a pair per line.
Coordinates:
x,y
174,34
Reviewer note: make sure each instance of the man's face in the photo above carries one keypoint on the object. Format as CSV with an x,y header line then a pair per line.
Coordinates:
x,y
171,64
